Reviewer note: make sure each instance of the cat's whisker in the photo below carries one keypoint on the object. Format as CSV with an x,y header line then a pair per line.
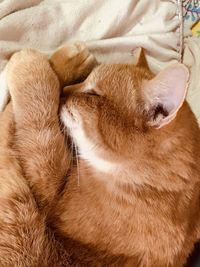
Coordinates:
x,y
77,163
74,151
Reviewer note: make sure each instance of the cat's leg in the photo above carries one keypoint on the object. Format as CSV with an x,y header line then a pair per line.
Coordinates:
x,y
25,240
35,93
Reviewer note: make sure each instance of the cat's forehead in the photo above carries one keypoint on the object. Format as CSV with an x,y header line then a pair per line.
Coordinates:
x,y
118,75
109,71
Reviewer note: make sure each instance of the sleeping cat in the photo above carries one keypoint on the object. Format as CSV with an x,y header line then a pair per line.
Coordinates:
x,y
131,195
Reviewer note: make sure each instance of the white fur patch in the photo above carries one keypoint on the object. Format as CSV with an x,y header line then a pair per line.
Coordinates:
x,y
4,93
67,119
88,151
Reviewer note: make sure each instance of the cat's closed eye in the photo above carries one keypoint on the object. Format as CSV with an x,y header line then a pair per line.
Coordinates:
x,y
92,93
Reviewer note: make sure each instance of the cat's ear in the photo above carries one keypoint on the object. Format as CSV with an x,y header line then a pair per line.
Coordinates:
x,y
141,59
165,94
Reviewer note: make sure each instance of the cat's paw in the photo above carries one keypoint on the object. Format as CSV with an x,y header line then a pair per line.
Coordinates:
x,y
72,63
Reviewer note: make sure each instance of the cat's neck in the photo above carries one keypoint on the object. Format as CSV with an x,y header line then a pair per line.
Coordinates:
x,y
132,176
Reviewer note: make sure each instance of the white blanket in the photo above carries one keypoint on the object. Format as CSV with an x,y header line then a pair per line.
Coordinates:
x,y
112,29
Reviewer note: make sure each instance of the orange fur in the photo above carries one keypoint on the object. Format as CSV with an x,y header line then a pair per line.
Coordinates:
x,y
139,208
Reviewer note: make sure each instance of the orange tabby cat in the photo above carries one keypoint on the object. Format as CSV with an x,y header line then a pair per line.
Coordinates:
x,y
132,198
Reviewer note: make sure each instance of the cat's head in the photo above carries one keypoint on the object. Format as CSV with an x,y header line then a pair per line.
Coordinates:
x,y
112,112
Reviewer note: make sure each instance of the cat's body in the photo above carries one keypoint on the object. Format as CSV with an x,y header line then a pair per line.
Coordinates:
x,y
132,198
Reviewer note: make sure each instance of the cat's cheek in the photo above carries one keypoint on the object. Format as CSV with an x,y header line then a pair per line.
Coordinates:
x,y
69,118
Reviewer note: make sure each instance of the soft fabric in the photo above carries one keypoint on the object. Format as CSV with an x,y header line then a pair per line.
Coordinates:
x,y
192,59
191,12
191,52
196,29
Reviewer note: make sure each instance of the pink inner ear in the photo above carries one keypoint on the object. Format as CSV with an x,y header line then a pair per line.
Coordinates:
x,y
175,81
168,89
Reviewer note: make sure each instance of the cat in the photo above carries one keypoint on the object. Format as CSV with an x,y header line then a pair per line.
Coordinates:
x,y
130,197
